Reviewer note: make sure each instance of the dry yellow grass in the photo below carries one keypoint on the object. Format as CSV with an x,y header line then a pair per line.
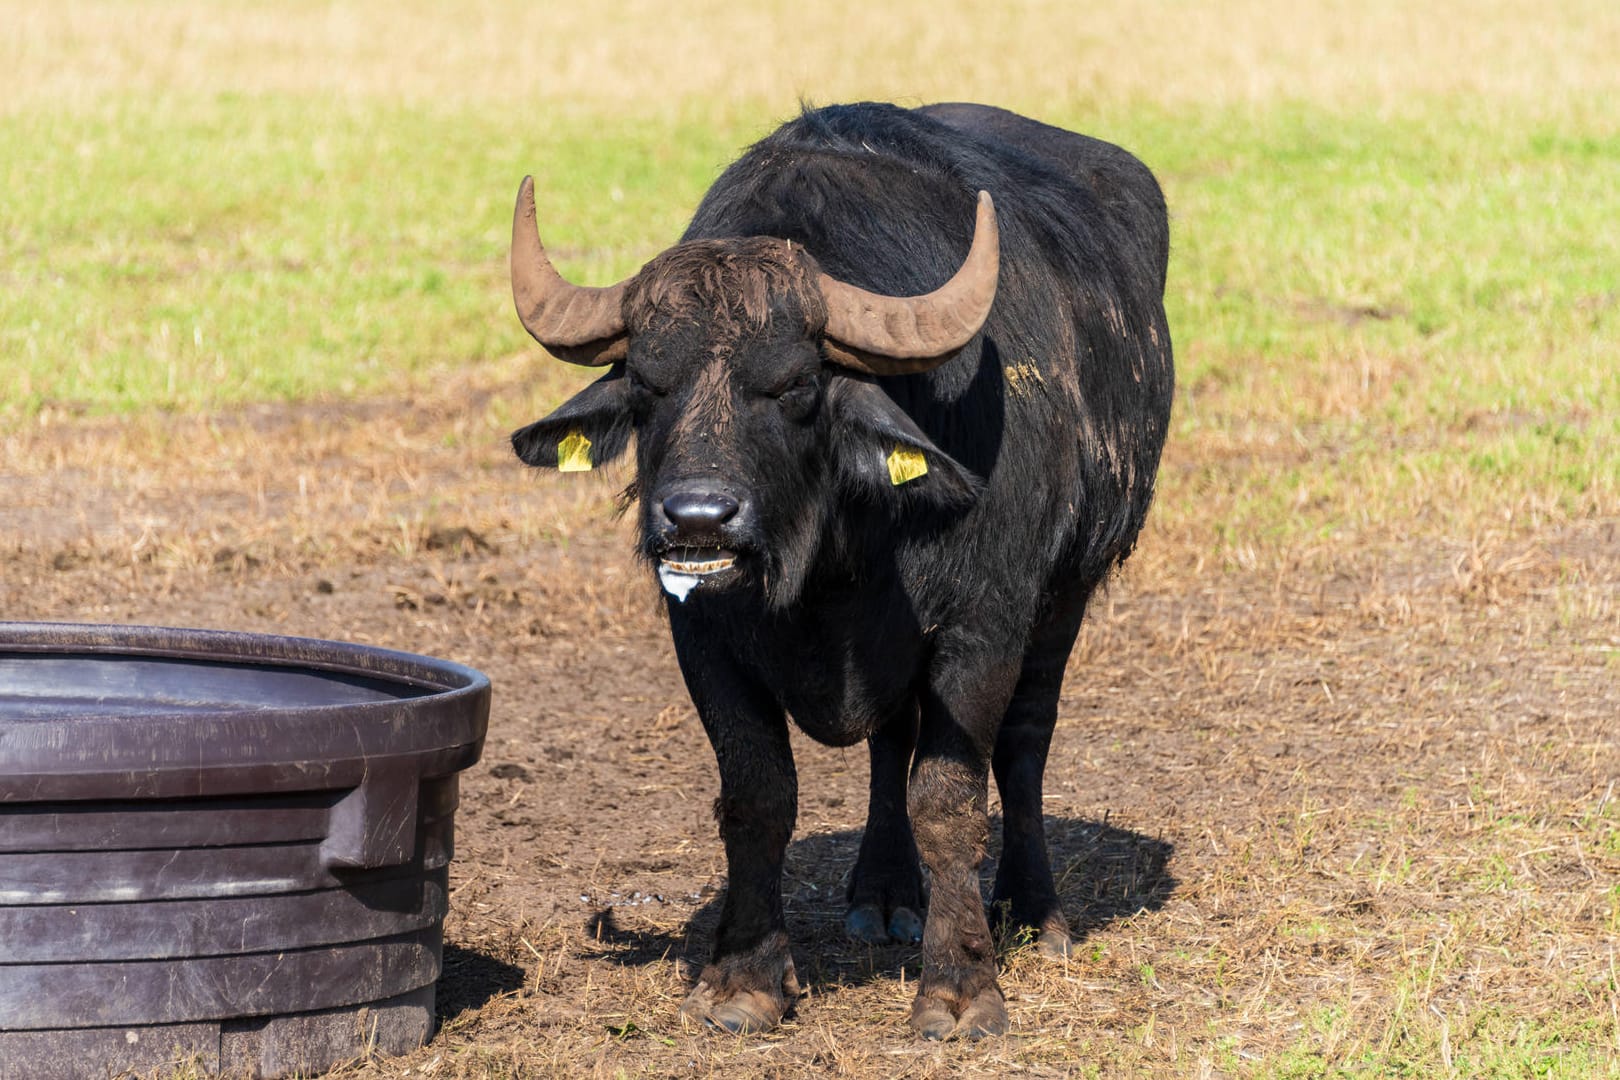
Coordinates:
x,y
1342,808
649,56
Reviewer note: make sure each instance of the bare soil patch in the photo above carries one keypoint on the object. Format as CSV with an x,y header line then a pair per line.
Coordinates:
x,y
1338,803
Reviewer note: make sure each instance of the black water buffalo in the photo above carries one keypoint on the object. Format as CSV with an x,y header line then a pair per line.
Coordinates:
x,y
890,436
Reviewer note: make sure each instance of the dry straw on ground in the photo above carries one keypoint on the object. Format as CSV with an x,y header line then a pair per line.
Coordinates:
x,y
1312,804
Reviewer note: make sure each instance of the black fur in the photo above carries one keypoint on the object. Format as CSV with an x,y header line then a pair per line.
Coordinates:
x,y
955,597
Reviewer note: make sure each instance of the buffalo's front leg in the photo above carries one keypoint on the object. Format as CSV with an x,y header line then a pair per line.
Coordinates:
x,y
749,983
957,994
886,899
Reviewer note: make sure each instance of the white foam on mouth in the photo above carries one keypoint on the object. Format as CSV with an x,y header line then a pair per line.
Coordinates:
x,y
680,576
676,583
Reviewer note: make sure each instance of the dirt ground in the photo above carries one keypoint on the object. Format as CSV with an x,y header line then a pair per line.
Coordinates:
x,y
1311,804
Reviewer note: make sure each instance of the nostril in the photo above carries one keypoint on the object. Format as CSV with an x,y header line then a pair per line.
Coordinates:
x,y
699,509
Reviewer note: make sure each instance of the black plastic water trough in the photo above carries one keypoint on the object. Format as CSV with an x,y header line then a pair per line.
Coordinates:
x,y
222,849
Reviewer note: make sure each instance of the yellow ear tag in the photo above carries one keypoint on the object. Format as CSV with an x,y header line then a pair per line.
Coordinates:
x,y
906,464
574,453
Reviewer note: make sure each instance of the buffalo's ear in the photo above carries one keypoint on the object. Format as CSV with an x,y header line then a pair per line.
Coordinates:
x,y
879,449
589,429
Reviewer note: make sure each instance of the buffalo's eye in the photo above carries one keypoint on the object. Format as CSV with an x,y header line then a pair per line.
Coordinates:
x,y
798,396
803,384
639,383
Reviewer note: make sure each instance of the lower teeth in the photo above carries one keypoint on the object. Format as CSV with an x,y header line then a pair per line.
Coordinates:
x,y
707,566
697,568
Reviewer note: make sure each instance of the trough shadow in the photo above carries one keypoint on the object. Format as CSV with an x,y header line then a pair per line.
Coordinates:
x,y
1103,873
470,979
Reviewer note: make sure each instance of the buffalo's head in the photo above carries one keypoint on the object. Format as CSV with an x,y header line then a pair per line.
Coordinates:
x,y
746,374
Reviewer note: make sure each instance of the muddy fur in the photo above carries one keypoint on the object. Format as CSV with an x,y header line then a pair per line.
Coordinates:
x,y
766,967
947,803
729,285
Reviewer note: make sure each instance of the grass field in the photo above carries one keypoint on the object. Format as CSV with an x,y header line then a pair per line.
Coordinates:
x,y
255,329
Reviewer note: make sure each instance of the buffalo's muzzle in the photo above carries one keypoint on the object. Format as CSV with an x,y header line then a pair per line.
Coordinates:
x,y
694,539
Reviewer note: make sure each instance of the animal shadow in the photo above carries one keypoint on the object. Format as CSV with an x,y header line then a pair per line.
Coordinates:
x,y
1102,873
470,979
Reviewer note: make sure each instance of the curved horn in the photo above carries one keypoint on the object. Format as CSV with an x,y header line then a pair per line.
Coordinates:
x,y
578,324
894,335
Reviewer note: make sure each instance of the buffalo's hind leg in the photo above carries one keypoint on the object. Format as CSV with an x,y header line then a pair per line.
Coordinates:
x,y
750,983
886,899
1024,893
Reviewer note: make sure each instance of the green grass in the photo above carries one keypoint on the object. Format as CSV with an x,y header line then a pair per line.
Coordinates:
x,y
1442,282
200,253
1495,1043
312,245
1477,247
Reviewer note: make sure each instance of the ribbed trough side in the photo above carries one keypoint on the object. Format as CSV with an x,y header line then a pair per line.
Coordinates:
x,y
220,850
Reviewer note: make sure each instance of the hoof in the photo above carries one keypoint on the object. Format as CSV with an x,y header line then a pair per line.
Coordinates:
x,y
698,1005
741,1012
931,1019
983,1016
1049,934
1054,942
906,926
746,1013
865,923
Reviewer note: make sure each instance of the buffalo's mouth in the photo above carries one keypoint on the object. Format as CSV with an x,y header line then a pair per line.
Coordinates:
x,y
681,569
699,562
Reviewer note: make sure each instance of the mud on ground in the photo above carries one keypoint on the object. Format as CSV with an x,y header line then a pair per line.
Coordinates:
x,y
1350,801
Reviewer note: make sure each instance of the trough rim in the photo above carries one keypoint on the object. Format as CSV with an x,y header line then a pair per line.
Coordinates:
x,y
238,750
